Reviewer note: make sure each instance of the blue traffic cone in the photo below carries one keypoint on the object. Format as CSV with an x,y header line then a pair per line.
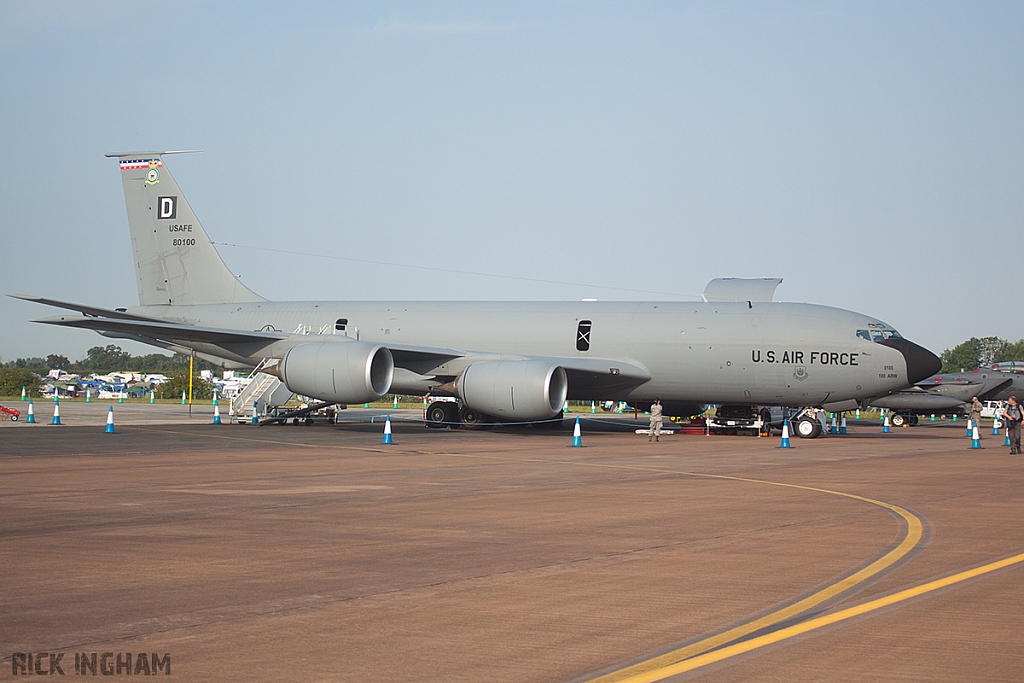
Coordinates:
x,y
969,432
387,432
215,398
593,407
975,438
785,435
56,413
32,415
858,413
110,421
933,417
255,418
842,424
120,397
88,395
885,425
995,427
955,417
577,438
832,427
1005,443
216,414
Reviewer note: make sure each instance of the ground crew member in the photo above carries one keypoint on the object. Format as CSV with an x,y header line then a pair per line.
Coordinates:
x,y
1013,416
976,412
656,412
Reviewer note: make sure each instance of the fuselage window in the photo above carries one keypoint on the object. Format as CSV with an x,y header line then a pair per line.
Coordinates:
x,y
583,336
864,334
340,325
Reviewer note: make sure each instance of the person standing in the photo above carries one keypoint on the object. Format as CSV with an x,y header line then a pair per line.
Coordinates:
x,y
976,412
1013,415
656,421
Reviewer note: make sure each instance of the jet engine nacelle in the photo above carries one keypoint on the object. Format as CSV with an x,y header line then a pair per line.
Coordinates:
x,y
516,390
340,372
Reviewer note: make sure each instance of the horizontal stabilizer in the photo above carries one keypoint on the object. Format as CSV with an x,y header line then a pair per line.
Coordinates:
x,y
760,289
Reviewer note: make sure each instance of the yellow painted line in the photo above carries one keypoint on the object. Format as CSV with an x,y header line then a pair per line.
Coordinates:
x,y
819,622
915,530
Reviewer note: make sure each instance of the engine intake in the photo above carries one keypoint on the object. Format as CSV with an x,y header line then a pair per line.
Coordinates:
x,y
340,372
516,390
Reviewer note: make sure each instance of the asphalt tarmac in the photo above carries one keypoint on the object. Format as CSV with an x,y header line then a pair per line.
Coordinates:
x,y
291,553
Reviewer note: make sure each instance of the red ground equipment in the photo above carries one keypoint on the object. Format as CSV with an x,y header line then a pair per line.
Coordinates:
x,y
9,413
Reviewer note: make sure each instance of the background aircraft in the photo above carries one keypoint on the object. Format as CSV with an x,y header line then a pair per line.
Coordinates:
x,y
952,392
515,361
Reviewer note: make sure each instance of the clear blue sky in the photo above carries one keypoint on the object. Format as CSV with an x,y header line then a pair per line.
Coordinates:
x,y
868,153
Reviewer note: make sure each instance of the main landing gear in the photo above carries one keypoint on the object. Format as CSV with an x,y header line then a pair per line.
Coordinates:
x,y
453,415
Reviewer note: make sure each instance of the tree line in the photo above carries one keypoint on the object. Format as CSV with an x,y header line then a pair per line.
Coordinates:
x,y
101,360
975,352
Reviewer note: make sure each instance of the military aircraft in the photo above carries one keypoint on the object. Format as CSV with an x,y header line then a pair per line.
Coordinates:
x,y
502,361
951,392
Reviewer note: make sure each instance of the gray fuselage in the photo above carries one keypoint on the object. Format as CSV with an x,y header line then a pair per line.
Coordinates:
x,y
734,352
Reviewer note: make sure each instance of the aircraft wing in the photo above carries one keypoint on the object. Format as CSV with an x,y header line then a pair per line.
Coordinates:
x,y
611,378
83,309
586,376
165,331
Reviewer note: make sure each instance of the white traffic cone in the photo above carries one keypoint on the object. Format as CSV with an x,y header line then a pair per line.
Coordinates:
x,y
110,421
56,413
832,427
785,435
577,438
216,414
975,438
32,415
387,432
969,432
842,424
885,426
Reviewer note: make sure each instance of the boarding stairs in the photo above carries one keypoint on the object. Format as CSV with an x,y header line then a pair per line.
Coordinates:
x,y
265,390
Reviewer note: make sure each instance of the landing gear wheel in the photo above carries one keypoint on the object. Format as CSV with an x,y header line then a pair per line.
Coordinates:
x,y
806,428
442,414
898,420
471,419
913,419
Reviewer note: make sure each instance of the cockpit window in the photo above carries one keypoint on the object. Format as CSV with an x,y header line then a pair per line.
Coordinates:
x,y
878,335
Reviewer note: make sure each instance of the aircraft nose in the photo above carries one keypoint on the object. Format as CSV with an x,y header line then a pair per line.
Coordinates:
x,y
921,363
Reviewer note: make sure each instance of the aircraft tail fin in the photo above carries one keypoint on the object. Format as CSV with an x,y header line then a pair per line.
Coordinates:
x,y
175,261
